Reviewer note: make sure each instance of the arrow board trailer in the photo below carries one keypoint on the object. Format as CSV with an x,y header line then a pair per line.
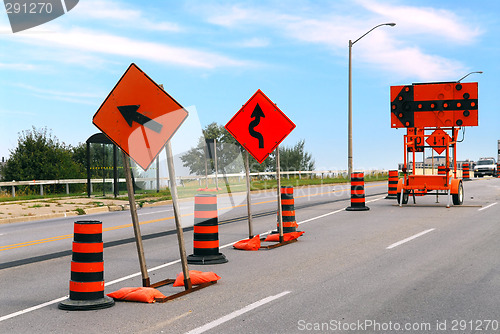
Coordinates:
x,y
433,114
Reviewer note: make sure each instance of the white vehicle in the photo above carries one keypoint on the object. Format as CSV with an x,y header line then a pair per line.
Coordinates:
x,y
485,166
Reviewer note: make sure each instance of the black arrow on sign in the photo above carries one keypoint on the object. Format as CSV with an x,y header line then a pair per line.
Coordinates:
x,y
131,115
257,113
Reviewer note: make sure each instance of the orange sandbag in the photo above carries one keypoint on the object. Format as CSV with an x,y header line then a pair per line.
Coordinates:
x,y
197,277
145,295
248,244
286,236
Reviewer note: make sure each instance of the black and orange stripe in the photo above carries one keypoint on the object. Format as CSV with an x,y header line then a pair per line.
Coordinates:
x,y
465,171
392,184
357,192
206,231
86,286
288,210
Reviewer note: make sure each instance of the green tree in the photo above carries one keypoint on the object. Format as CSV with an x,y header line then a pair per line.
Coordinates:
x,y
228,152
296,158
40,156
293,158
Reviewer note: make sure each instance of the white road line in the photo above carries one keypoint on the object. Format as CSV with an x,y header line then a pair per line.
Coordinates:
x,y
15,314
376,199
410,238
152,213
488,206
322,216
237,313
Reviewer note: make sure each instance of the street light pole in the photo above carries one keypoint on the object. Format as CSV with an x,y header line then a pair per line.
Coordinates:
x,y
349,135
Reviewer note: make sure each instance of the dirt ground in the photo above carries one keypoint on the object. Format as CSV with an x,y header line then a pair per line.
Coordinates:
x,y
27,210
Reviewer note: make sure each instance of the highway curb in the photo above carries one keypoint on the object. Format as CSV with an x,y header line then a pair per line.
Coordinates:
x,y
88,211
37,217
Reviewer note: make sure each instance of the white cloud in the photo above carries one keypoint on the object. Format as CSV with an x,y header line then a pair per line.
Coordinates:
x,y
255,42
119,14
394,49
230,17
74,97
98,42
425,20
17,66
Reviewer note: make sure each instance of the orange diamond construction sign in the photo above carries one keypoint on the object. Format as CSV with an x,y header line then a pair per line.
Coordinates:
x,y
139,116
260,126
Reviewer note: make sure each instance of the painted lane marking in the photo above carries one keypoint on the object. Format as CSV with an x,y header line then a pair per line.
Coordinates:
x,y
154,212
376,199
410,238
68,236
36,307
237,313
488,206
118,280
322,216
15,314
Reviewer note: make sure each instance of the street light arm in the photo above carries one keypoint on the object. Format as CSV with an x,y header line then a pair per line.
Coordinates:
x,y
369,31
465,76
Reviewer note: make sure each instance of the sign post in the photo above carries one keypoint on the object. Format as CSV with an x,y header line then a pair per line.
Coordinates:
x,y
177,214
278,178
135,221
249,199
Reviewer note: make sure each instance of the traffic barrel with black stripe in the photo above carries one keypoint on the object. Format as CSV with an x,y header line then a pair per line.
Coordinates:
x,y
441,170
465,171
498,169
393,184
86,286
288,210
357,193
206,231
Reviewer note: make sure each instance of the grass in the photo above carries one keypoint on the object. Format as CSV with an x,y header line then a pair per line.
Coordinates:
x,y
80,211
39,206
7,197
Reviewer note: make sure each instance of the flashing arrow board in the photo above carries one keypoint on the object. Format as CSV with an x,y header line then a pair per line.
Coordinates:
x,y
438,140
139,116
260,126
434,105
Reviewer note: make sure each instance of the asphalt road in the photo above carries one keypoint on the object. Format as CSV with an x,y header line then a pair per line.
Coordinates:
x,y
421,268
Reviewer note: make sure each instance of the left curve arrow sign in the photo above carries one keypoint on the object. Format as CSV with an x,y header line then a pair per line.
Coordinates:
x,y
130,114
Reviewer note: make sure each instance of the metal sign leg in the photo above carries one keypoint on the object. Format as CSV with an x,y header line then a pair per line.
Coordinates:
x,y
249,199
278,178
177,214
135,221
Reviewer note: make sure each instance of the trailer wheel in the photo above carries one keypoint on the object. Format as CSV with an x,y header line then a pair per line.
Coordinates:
x,y
458,198
405,197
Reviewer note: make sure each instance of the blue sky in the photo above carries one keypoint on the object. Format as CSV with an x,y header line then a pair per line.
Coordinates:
x,y
214,55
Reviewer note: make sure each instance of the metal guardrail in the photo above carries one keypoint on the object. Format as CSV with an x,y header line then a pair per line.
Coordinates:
x,y
41,183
